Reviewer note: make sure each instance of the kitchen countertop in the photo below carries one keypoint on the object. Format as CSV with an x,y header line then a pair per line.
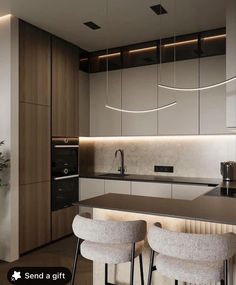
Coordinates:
x,y
157,178
216,209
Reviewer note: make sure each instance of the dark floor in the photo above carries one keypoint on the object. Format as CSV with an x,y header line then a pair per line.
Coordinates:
x,y
57,254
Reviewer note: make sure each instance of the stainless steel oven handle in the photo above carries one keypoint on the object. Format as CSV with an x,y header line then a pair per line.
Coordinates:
x,y
66,177
66,146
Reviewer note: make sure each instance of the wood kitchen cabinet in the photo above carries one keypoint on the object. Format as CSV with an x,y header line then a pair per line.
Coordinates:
x,y
62,221
181,119
35,65
35,210
34,143
65,89
34,137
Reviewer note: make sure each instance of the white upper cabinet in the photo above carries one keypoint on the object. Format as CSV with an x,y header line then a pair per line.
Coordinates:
x,y
139,92
105,122
231,63
213,101
181,119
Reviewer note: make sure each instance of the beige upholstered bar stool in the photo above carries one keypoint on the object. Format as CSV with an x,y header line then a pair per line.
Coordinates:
x,y
193,258
109,242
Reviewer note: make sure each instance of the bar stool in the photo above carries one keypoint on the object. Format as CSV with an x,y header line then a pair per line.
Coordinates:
x,y
192,258
109,242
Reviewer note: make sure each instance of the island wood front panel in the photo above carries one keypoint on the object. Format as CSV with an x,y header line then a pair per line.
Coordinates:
x,y
65,89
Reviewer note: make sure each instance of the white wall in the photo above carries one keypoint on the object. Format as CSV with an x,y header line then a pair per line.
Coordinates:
x,y
9,196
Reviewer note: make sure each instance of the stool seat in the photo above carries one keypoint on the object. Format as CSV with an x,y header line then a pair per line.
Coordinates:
x,y
196,272
109,253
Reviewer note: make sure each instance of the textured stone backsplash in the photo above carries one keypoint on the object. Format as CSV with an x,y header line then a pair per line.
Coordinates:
x,y
191,156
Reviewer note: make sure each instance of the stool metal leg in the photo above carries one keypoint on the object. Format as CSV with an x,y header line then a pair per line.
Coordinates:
x,y
106,273
132,264
77,251
141,268
151,267
226,272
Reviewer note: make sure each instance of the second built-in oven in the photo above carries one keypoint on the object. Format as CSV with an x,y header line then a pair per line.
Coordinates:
x,y
65,172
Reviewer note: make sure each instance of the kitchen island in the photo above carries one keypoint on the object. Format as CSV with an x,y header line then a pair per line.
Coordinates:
x,y
211,213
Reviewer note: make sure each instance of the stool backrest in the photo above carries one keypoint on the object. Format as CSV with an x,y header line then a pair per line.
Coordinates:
x,y
109,231
201,247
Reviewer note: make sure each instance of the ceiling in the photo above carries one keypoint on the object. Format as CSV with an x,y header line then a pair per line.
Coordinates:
x,y
129,21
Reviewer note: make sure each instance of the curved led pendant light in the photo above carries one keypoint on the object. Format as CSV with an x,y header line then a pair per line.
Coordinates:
x,y
141,111
107,56
197,88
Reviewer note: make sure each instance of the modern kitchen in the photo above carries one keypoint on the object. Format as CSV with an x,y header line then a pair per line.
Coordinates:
x,y
118,141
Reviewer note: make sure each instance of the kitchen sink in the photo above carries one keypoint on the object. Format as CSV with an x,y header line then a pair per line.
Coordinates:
x,y
114,175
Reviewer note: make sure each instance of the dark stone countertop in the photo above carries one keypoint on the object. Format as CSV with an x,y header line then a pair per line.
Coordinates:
x,y
216,209
156,178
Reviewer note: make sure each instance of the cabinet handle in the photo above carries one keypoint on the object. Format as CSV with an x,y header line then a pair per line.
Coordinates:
x,y
66,177
66,146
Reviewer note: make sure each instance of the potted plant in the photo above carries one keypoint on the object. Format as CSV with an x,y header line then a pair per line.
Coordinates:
x,y
4,163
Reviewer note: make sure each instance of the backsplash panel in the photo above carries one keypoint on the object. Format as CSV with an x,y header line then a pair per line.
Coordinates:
x,y
191,156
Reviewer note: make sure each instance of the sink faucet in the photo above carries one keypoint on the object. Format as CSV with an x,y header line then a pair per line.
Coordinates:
x,y
122,166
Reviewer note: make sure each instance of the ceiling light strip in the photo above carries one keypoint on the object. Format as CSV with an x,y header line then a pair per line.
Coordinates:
x,y
141,111
142,49
214,37
110,55
181,43
197,88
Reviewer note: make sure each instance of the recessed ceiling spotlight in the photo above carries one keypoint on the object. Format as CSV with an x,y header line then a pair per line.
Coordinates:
x,y
158,9
92,25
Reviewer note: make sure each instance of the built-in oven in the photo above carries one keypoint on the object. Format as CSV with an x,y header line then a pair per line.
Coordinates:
x,y
65,172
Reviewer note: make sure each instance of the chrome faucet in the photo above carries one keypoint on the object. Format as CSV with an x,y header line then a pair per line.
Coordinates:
x,y
122,166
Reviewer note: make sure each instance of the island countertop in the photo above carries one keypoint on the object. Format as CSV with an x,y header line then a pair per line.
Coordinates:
x,y
216,209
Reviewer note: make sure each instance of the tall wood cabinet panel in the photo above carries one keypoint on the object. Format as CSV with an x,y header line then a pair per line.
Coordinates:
x,y
213,101
34,143
34,137
34,215
181,119
65,89
35,65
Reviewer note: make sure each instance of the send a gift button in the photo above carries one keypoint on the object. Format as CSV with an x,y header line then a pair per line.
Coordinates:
x,y
39,275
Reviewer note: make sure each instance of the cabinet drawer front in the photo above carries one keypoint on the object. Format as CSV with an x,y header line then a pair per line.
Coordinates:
x,y
162,190
188,192
119,187
90,188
